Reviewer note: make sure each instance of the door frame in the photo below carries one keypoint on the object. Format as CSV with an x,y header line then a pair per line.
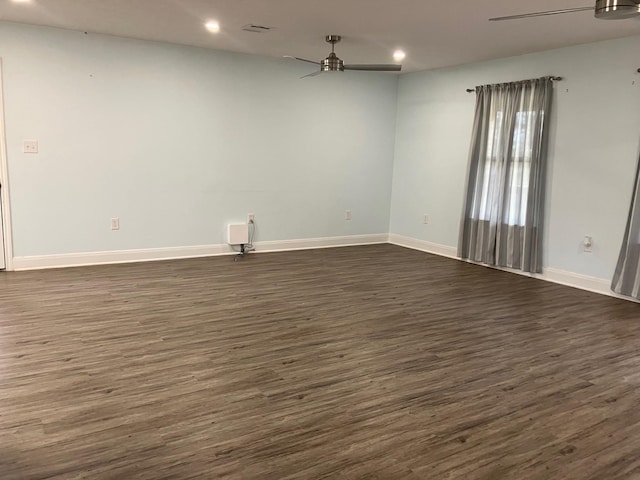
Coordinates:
x,y
6,230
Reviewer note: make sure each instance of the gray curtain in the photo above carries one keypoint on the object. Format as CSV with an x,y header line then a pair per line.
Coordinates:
x,y
626,279
503,211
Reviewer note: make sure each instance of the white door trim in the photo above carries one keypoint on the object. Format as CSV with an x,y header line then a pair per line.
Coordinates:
x,y
4,178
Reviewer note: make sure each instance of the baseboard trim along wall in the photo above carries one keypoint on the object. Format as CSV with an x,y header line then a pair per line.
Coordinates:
x,y
562,277
424,246
327,242
554,275
173,253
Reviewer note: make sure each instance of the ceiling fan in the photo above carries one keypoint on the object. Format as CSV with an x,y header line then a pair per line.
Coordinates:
x,y
604,9
333,64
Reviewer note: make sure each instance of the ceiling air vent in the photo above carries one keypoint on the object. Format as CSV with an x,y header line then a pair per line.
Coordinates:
x,y
256,28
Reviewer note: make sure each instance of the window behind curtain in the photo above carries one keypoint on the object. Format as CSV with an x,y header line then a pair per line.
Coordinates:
x,y
505,186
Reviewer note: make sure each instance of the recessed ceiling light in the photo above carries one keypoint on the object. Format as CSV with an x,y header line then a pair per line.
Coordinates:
x,y
212,26
399,55
21,1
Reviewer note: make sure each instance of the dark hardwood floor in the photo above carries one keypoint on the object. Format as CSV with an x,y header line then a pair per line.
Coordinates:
x,y
372,362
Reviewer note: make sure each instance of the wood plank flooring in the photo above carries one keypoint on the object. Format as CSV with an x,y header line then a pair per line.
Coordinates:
x,y
372,362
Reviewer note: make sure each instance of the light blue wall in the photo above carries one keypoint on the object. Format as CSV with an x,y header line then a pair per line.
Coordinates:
x,y
180,141
594,141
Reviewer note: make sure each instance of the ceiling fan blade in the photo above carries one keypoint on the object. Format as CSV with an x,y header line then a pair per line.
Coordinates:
x,y
311,74
302,59
542,14
374,68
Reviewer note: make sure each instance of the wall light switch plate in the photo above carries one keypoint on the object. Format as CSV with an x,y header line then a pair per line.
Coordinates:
x,y
30,146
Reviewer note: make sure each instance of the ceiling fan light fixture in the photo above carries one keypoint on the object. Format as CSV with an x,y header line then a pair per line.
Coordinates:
x,y
332,64
616,9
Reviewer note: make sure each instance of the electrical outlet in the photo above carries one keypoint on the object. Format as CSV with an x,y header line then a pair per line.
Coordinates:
x,y
30,146
115,223
347,214
587,244
252,218
425,219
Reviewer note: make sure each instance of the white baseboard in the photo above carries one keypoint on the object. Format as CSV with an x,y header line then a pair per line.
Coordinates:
x,y
327,242
583,282
424,246
563,277
171,253
554,275
118,256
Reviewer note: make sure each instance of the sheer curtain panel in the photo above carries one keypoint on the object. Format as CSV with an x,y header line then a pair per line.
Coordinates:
x,y
626,279
503,211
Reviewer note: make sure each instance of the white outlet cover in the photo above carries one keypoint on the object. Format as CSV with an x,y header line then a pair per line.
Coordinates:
x,y
30,146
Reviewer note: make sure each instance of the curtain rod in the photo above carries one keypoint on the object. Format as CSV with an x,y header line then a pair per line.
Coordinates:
x,y
555,79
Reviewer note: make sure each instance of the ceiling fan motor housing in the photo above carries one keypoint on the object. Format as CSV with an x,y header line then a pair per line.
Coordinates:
x,y
332,64
617,9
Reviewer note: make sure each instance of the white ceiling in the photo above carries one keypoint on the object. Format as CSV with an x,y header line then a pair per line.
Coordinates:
x,y
434,33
